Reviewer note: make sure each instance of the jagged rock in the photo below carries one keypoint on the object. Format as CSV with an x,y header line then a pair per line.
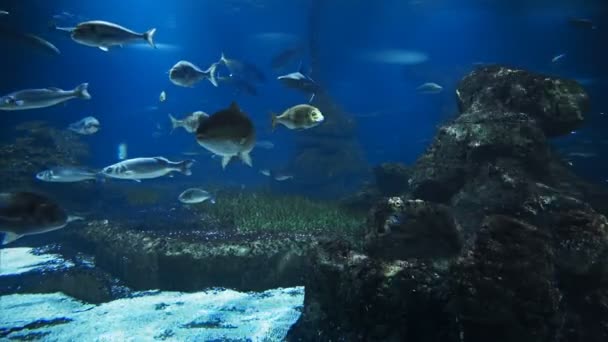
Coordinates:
x,y
352,297
506,283
401,229
392,178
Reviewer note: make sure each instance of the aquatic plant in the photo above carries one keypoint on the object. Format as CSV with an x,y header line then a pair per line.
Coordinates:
x,y
260,212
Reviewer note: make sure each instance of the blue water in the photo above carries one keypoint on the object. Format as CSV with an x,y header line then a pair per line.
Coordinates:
x,y
126,82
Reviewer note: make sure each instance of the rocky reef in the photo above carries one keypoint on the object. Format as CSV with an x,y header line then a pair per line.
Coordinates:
x,y
491,238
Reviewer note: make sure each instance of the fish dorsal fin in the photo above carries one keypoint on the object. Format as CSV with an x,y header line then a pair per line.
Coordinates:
x,y
301,68
234,106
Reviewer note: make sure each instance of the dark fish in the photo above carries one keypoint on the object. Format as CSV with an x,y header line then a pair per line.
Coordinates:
x,y
228,133
283,58
240,85
582,23
28,213
299,81
242,70
29,40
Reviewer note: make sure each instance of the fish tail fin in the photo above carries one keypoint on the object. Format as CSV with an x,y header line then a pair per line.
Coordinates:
x,y
9,237
212,74
273,121
184,167
149,37
174,123
82,91
225,161
246,158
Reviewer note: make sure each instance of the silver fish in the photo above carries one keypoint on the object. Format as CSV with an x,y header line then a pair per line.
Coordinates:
x,y
66,175
29,213
299,81
85,126
41,98
186,74
195,195
189,123
104,34
429,88
146,168
4,13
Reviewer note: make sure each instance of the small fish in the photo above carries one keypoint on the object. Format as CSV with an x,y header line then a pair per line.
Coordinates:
x,y
163,96
242,70
104,34
189,123
228,133
4,13
121,151
299,81
429,88
146,168
301,116
558,58
195,195
265,172
41,98
265,144
582,23
29,213
85,126
66,175
282,177
186,74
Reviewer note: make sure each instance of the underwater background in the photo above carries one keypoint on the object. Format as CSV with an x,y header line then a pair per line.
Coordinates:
x,y
376,202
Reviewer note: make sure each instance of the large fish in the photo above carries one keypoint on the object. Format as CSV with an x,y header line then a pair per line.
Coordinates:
x,y
86,126
65,174
28,213
146,168
41,98
186,74
104,34
299,81
228,133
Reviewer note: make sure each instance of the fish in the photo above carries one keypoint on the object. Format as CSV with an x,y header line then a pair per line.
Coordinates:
x,y
283,58
558,58
146,168
41,98
395,56
64,174
85,126
228,133
186,74
195,195
121,151
282,177
299,81
301,116
265,144
4,13
189,123
240,84
242,69
163,96
28,213
265,172
29,40
104,34
582,23
429,88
